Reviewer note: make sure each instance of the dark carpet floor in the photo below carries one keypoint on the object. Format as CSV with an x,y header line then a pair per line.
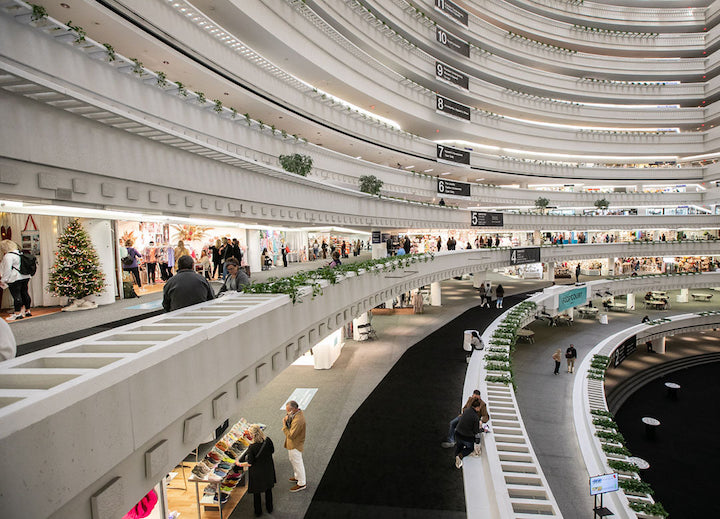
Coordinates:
x,y
389,463
685,454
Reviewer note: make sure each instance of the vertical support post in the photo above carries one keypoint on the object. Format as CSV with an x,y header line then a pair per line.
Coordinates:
x,y
435,294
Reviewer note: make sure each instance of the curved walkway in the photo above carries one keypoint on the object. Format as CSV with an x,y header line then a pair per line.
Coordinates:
x,y
545,400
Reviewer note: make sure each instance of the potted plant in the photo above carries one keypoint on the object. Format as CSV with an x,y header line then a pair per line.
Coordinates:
x,y
296,163
370,184
542,203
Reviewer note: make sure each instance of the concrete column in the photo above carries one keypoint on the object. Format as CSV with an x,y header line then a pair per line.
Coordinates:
x,y
550,274
659,345
605,270
326,352
631,301
537,238
252,256
101,236
362,319
389,304
379,250
682,297
479,278
435,294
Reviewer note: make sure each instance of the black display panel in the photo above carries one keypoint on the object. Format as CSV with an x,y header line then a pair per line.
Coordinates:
x,y
485,219
453,108
452,187
626,349
452,42
453,11
451,75
454,155
523,255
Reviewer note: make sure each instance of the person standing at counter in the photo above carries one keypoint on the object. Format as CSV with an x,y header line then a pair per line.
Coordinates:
x,y
258,457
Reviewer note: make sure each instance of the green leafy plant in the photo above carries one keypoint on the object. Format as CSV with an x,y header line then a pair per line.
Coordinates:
x,y
234,113
542,203
248,120
650,509
181,89
218,106
636,486
497,356
604,422
614,437
161,78
201,97
79,32
370,184
602,204
601,412
38,13
612,449
494,378
624,466
296,163
110,52
496,366
139,68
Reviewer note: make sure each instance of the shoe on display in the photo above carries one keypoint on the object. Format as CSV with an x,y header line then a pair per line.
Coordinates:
x,y
298,488
447,445
458,462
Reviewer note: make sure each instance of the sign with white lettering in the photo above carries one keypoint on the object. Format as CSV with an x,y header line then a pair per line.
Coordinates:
x,y
452,187
484,219
525,255
452,11
376,236
452,42
452,155
572,298
451,75
452,108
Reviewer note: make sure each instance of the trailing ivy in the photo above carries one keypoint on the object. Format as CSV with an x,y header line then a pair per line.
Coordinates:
x,y
624,466
604,422
601,412
612,449
614,437
636,486
650,509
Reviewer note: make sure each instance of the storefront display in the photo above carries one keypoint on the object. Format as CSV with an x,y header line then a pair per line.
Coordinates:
x,y
215,482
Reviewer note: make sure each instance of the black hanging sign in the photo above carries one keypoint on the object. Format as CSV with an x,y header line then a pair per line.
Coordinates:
x,y
523,255
484,219
452,155
452,11
452,187
452,108
452,42
451,75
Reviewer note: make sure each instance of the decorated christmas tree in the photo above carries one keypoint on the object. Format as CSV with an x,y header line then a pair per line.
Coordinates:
x,y
76,273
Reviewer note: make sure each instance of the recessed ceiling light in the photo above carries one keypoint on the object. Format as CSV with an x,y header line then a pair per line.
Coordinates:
x,y
409,167
428,170
446,173
479,179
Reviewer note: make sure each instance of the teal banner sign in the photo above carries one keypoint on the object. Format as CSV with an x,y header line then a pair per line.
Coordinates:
x,y
571,298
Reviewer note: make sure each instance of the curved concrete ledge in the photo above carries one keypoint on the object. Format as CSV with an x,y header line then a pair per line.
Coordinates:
x,y
589,394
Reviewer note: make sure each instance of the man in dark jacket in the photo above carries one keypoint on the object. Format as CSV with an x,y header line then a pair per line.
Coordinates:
x,y
467,430
484,417
186,287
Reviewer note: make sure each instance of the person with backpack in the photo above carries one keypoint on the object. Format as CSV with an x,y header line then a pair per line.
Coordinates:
x,y
16,269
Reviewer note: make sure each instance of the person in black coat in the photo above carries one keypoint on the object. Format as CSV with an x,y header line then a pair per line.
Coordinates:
x,y
258,457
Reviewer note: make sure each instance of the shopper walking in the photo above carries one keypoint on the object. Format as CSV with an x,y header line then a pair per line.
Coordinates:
x,y
284,252
571,355
130,262
12,278
556,357
499,294
293,425
259,458
577,273
481,293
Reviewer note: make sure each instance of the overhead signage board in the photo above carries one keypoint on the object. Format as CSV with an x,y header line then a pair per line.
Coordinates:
x,y
572,298
453,155
452,11
451,75
452,42
523,255
452,108
603,484
376,237
447,187
485,219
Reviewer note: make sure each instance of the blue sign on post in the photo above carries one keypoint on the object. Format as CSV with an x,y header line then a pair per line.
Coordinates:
x,y
572,298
